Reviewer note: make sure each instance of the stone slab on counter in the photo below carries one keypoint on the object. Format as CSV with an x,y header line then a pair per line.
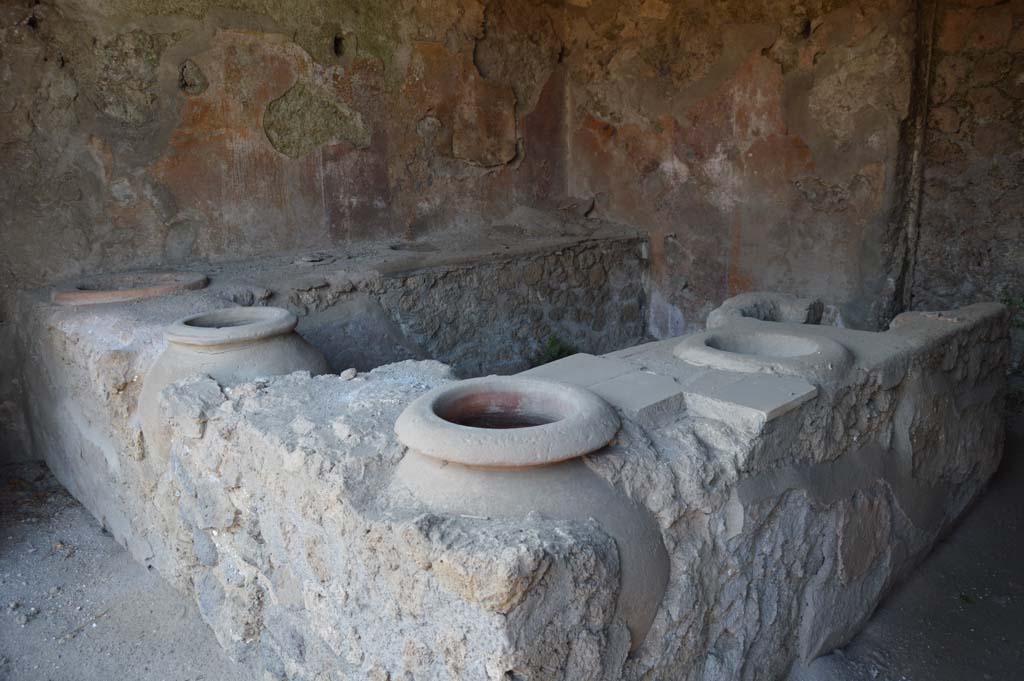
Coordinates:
x,y
783,533
276,514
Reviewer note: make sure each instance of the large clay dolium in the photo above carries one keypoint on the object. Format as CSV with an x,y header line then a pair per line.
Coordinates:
x,y
505,447
231,345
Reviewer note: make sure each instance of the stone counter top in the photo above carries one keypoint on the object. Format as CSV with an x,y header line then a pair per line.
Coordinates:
x,y
788,506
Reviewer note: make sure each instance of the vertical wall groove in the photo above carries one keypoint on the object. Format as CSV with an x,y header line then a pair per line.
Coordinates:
x,y
912,164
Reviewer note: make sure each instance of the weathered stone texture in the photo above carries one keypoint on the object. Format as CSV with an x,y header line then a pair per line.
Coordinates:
x,y
275,511
492,317
760,142
759,145
803,568
301,120
490,309
735,136
354,588
135,133
971,245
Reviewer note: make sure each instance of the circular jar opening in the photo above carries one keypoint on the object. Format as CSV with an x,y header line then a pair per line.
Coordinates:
x,y
506,421
210,321
113,288
774,345
231,325
502,409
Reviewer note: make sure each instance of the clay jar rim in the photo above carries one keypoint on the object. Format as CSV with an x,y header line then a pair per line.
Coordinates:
x,y
749,345
770,345
231,325
125,286
576,422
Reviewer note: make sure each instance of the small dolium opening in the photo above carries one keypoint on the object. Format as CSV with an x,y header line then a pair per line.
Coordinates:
x,y
217,322
499,410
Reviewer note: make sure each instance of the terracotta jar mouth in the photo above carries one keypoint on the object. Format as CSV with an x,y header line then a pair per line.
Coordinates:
x,y
231,325
125,286
754,346
771,345
507,421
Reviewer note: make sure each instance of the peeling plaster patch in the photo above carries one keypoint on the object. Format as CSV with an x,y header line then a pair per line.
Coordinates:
x,y
726,178
665,320
122,191
485,124
655,9
191,78
519,48
675,171
180,239
305,118
121,82
838,97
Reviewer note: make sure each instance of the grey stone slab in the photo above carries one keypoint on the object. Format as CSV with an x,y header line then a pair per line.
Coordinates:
x,y
581,369
650,398
753,399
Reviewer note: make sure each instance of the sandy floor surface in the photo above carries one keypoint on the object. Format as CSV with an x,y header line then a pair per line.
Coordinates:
x,y
75,607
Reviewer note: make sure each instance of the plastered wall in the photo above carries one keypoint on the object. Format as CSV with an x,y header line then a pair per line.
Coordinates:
x,y
821,147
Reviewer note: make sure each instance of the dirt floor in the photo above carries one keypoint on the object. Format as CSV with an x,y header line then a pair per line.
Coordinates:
x,y
74,607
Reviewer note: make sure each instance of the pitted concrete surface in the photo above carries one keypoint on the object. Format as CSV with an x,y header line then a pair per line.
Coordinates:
x,y
960,615
75,607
